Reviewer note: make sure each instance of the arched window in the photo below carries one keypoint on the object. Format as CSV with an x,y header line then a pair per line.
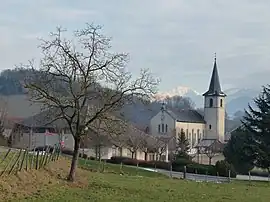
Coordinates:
x,y
210,126
166,128
159,128
221,103
211,102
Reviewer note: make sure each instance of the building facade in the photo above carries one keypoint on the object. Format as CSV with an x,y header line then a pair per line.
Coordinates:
x,y
197,127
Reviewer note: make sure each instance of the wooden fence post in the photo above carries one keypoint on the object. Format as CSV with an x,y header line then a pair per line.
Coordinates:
x,y
52,155
23,159
6,155
37,159
5,169
185,172
171,170
16,161
27,160
58,151
45,158
42,158
32,159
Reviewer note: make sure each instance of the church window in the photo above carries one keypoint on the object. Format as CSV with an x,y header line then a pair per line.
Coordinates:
x,y
162,128
210,126
221,103
159,128
211,102
166,128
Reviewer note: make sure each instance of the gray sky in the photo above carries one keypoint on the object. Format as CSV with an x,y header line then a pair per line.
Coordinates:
x,y
176,39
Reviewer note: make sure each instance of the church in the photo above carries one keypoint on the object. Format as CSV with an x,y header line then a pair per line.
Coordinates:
x,y
198,128
156,120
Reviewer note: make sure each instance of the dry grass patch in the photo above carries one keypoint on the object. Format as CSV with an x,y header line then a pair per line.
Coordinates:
x,y
25,183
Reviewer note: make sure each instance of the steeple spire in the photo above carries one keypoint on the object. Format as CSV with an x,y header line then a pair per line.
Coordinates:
x,y
214,87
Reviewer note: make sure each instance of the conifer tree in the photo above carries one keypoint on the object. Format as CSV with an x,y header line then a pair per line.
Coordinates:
x,y
238,151
256,122
182,145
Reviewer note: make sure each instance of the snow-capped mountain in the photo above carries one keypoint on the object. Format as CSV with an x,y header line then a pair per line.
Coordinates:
x,y
237,98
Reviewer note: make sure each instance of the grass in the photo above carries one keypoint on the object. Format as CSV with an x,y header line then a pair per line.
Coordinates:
x,y
116,169
110,186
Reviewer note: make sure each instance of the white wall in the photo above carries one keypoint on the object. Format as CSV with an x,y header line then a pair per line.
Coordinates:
x,y
193,131
215,117
156,120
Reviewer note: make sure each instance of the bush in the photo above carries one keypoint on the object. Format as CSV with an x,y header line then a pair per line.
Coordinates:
x,y
259,173
181,162
141,163
67,152
201,169
92,158
44,148
223,167
84,156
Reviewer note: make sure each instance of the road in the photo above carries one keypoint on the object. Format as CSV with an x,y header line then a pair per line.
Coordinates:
x,y
191,176
207,178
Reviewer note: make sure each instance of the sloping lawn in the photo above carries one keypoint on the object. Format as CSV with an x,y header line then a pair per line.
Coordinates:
x,y
114,188
111,186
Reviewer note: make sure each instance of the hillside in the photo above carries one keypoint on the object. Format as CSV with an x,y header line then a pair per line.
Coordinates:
x,y
19,106
50,185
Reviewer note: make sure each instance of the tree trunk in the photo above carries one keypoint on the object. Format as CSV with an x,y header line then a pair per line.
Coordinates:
x,y
96,152
71,176
99,152
145,156
121,151
210,160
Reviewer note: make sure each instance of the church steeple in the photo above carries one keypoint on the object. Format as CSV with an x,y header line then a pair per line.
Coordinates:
x,y
214,87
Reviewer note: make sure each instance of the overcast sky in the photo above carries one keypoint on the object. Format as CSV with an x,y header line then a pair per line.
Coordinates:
x,y
176,39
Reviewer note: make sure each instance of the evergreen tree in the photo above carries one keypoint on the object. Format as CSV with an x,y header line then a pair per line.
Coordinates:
x,y
182,145
237,152
257,126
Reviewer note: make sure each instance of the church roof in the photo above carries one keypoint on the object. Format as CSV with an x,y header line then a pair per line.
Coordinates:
x,y
214,87
189,116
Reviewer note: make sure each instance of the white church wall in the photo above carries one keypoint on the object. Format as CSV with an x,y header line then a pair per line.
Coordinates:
x,y
156,127
193,131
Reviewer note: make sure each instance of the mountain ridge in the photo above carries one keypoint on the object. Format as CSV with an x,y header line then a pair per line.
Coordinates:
x,y
237,98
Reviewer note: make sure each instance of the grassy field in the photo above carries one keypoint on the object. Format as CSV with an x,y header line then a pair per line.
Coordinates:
x,y
130,185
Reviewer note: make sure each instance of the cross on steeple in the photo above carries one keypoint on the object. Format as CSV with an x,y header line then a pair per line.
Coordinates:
x,y
214,87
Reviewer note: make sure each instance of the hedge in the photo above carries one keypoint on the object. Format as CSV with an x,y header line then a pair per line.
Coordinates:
x,y
222,169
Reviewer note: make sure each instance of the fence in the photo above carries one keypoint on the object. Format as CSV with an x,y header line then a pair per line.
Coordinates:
x,y
15,160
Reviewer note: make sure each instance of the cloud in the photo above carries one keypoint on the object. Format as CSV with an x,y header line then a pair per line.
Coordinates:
x,y
175,38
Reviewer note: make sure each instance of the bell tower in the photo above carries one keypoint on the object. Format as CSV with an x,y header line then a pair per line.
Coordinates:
x,y
214,108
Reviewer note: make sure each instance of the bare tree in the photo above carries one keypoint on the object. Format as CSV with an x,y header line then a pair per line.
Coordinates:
x,y
80,80
179,102
134,140
146,145
161,144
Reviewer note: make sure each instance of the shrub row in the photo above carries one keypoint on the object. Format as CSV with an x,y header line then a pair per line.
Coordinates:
x,y
81,155
221,168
